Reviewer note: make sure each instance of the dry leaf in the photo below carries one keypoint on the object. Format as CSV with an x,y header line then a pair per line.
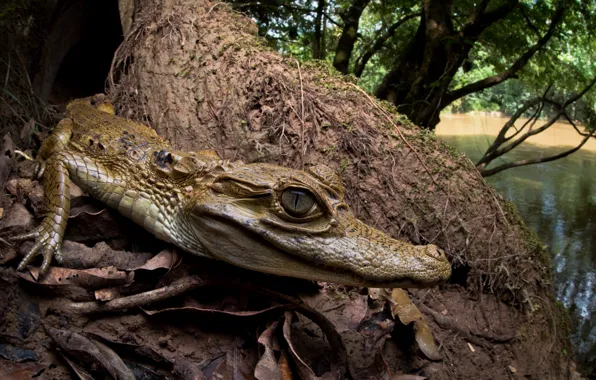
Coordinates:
x,y
165,259
19,371
408,312
107,294
267,368
304,370
94,278
81,348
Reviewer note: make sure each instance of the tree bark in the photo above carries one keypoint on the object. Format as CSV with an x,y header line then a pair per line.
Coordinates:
x,y
345,45
319,36
420,80
197,73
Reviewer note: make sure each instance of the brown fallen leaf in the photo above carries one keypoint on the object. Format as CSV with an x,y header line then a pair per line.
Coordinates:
x,y
267,368
304,371
165,259
94,278
122,371
81,348
107,294
284,366
238,364
408,313
146,352
78,369
16,220
19,371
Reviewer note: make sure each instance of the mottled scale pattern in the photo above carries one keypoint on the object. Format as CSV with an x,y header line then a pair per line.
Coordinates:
x,y
113,160
210,207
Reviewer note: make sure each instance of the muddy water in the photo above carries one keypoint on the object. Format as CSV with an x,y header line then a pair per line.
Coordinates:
x,y
558,200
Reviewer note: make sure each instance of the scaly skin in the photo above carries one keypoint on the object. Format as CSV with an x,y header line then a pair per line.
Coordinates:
x,y
261,217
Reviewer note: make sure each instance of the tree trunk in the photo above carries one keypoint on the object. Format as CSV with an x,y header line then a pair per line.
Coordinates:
x,y
319,36
345,45
197,73
419,81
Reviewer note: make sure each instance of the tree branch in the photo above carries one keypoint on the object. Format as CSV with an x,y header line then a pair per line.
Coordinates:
x,y
529,22
513,69
496,149
380,42
332,20
480,19
489,155
509,165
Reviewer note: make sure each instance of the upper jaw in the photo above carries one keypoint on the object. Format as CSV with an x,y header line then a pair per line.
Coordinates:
x,y
264,248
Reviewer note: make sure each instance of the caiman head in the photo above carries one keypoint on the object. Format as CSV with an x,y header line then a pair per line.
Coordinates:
x,y
294,223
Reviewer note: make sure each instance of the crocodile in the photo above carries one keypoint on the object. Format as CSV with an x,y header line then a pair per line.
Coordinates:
x,y
257,216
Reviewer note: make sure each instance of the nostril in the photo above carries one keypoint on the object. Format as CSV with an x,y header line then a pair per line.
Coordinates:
x,y
434,252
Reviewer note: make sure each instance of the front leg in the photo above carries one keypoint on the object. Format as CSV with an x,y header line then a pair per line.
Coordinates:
x,y
50,233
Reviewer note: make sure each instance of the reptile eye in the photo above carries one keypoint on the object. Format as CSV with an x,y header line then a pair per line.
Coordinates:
x,y
297,202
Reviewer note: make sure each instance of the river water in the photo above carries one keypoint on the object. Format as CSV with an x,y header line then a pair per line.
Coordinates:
x,y
558,200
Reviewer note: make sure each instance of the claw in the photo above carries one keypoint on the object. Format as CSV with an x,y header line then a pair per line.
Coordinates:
x,y
47,260
29,256
58,256
43,243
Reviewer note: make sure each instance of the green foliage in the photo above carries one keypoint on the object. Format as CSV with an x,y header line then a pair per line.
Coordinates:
x,y
566,63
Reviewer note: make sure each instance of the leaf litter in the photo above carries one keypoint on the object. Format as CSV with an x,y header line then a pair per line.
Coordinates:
x,y
123,311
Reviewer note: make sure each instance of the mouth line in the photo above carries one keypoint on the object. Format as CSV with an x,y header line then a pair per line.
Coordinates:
x,y
352,278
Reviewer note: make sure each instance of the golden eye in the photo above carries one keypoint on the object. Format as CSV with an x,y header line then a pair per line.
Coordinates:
x,y
297,202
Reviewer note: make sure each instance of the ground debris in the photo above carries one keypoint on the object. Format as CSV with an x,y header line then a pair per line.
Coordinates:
x,y
19,371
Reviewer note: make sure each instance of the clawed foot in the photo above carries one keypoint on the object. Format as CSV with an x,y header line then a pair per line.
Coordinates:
x,y
47,243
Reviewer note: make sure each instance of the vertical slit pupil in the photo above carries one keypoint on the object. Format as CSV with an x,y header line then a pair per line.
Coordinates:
x,y
296,199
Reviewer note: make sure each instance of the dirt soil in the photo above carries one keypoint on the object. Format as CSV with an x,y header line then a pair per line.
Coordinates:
x,y
196,72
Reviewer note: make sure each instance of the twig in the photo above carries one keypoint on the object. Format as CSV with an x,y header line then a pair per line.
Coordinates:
x,y
23,154
183,285
7,73
402,137
214,5
7,243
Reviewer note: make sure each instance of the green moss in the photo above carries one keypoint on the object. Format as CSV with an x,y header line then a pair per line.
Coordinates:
x,y
330,149
344,165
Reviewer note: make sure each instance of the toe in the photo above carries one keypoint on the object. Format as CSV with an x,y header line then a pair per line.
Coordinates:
x,y
28,236
30,255
47,260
